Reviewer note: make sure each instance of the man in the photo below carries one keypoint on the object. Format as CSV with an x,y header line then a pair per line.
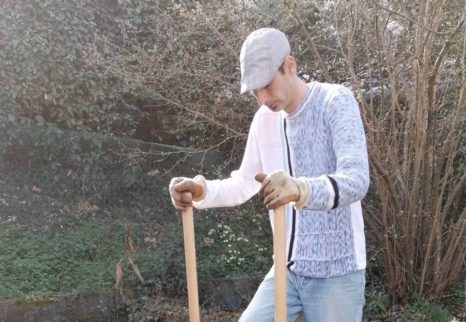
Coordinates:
x,y
306,148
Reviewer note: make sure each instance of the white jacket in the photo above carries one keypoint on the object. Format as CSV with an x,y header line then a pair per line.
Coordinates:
x,y
324,142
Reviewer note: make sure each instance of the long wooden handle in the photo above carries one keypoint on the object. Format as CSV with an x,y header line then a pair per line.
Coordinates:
x,y
279,250
191,271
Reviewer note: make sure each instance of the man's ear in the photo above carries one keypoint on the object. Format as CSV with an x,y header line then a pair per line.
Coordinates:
x,y
290,64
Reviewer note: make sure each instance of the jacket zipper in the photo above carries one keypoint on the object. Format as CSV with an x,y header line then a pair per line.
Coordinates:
x,y
293,222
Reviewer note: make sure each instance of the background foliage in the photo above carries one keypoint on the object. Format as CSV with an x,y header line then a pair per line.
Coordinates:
x,y
101,102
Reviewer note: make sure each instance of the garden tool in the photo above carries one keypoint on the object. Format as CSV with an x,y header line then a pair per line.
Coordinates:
x,y
191,271
279,250
279,245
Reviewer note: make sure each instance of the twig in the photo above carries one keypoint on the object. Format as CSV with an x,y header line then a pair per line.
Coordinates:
x,y
409,19
308,35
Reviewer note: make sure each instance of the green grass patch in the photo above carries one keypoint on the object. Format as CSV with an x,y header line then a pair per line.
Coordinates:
x,y
83,256
75,259
423,311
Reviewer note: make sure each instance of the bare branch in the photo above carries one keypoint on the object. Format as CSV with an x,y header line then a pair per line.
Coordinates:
x,y
409,19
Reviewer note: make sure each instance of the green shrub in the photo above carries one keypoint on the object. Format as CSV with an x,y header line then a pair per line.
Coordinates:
x,y
422,310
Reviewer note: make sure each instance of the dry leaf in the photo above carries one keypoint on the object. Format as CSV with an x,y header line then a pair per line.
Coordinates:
x,y
118,274
129,240
136,270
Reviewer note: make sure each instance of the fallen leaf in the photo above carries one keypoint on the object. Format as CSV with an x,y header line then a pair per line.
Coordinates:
x,y
129,240
118,274
136,270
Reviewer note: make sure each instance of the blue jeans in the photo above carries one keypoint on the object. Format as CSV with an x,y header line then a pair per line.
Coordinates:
x,y
334,299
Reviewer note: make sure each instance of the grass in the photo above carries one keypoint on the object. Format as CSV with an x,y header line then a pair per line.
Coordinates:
x,y
423,311
379,308
76,259
79,255
82,256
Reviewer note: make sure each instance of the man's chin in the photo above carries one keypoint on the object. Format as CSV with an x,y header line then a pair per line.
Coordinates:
x,y
274,108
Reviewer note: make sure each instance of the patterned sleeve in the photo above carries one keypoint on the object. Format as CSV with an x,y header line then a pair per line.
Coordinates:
x,y
350,182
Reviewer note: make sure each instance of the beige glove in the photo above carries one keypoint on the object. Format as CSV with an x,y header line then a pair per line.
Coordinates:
x,y
279,188
184,191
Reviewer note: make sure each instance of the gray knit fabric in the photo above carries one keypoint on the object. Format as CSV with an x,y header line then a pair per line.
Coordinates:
x,y
326,138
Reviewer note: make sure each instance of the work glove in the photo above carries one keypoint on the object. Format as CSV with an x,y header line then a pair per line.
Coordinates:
x,y
184,191
279,188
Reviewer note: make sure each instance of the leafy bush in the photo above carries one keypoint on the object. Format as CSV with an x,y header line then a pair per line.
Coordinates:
x,y
424,311
44,76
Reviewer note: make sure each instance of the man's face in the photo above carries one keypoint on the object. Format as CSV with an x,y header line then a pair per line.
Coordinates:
x,y
277,94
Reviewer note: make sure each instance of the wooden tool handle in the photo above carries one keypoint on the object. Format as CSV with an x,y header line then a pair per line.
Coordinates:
x,y
279,250
191,271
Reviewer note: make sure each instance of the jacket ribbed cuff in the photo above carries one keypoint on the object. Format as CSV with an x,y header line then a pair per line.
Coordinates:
x,y
303,189
200,179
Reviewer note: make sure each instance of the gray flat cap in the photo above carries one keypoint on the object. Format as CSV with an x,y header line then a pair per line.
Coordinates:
x,y
262,53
